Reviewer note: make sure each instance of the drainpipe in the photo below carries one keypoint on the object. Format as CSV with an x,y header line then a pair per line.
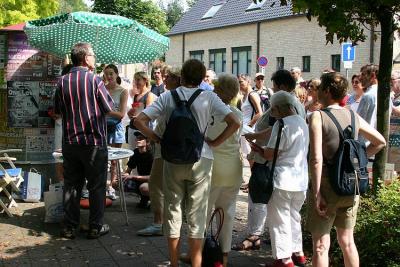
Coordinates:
x,y
183,48
371,44
258,44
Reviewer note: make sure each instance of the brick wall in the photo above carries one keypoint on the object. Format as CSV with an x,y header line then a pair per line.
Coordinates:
x,y
290,38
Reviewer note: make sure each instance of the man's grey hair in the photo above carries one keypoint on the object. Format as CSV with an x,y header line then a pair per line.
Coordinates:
x,y
296,69
213,74
283,100
78,53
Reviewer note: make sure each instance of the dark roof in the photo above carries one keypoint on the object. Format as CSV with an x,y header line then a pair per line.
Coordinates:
x,y
233,12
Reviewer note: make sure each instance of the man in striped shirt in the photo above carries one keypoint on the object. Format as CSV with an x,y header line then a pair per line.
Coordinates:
x,y
83,102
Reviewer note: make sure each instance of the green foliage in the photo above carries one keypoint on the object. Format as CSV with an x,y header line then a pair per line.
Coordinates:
x,y
143,11
346,19
377,232
174,11
68,6
192,2
17,11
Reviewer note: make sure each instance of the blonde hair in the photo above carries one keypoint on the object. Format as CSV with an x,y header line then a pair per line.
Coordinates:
x,y
142,75
227,87
301,93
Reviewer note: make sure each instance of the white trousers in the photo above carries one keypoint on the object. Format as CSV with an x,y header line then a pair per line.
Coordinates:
x,y
224,197
256,215
284,222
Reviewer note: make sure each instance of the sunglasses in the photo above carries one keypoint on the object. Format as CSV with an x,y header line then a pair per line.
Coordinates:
x,y
259,78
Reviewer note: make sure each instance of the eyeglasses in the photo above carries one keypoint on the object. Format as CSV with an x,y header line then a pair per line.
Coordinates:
x,y
259,78
91,55
355,82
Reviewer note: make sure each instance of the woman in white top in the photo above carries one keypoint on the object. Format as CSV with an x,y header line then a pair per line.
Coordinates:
x,y
227,166
290,181
115,137
358,91
251,109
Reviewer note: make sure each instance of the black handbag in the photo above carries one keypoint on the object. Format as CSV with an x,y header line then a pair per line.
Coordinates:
x,y
261,183
212,252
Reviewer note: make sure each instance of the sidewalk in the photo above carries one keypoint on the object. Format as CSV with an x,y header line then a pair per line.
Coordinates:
x,y
27,241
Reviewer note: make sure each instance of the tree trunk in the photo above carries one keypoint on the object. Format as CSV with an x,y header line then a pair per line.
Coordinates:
x,y
385,68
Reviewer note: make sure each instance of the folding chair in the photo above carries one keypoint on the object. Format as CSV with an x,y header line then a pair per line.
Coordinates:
x,y
9,177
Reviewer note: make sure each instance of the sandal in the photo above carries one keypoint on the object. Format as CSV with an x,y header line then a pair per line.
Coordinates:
x,y
242,247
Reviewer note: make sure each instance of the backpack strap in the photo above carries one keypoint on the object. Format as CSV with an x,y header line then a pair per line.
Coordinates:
x,y
353,123
251,104
335,121
176,98
194,96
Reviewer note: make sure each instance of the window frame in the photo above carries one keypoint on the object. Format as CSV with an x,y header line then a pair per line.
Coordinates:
x,y
248,55
211,13
214,52
195,53
336,58
278,67
306,68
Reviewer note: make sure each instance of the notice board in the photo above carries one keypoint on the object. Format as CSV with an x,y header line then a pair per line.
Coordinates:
x,y
28,79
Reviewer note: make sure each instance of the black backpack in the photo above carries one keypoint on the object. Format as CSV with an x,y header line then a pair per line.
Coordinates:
x,y
347,170
182,140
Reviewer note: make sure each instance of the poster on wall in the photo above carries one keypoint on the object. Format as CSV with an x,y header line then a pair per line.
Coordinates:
x,y
25,63
28,103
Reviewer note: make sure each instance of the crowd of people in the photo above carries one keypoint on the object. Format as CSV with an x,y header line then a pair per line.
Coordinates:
x,y
239,122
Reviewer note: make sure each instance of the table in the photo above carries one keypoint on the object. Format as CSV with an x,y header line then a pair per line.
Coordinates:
x,y
118,154
113,154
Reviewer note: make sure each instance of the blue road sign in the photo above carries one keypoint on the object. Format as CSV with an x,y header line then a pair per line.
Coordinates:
x,y
348,52
262,61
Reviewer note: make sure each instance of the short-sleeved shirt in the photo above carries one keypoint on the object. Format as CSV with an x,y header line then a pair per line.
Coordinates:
x,y
141,161
291,169
204,108
83,101
157,89
368,105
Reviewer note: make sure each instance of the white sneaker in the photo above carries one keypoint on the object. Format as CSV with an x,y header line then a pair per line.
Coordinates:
x,y
152,230
110,193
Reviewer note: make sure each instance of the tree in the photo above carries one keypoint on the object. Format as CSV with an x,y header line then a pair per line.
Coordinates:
x,y
191,3
173,11
67,6
17,11
347,20
143,11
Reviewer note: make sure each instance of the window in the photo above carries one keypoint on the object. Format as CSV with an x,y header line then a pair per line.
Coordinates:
x,y
335,62
197,55
218,60
256,5
211,12
280,63
306,63
241,60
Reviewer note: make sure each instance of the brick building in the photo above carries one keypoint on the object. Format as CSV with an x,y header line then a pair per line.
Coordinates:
x,y
228,36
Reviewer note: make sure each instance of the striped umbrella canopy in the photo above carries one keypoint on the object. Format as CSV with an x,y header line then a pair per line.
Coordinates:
x,y
115,39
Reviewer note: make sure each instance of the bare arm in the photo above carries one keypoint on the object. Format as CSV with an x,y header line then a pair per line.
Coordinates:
x,y
141,123
316,161
255,100
232,125
123,100
260,136
377,141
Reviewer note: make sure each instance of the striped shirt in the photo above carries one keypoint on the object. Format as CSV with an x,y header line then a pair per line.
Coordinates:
x,y
83,101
